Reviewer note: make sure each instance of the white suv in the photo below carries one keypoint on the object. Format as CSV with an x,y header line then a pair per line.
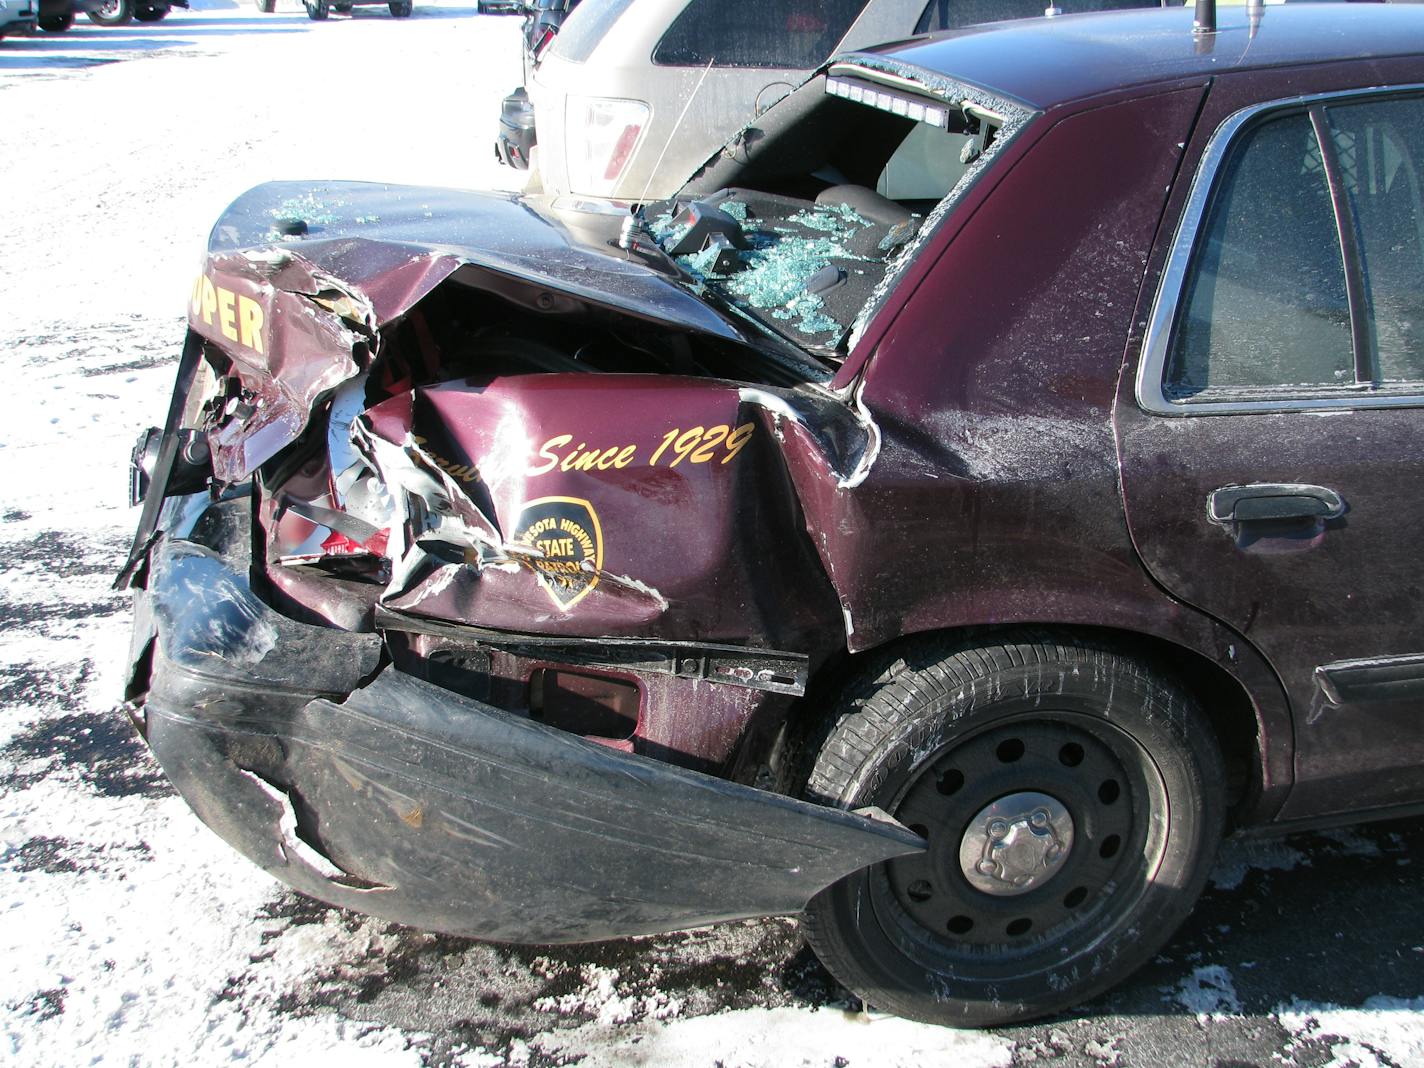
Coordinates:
x,y
633,95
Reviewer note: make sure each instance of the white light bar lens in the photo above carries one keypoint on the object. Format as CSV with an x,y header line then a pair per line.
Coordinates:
x,y
894,103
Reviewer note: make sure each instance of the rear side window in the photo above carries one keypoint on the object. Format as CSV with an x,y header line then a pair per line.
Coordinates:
x,y
585,26
1380,147
954,14
1305,275
796,34
1266,302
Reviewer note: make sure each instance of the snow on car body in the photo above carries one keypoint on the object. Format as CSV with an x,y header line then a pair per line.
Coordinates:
x,y
582,538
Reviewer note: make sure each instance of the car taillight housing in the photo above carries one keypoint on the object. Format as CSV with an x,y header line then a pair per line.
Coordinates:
x,y
601,136
543,41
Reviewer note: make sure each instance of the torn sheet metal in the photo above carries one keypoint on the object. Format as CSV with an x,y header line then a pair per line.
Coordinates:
x,y
534,504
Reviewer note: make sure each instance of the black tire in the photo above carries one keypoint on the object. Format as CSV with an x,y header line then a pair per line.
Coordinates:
x,y
150,13
265,6
401,9
945,731
342,8
57,23
113,13
317,9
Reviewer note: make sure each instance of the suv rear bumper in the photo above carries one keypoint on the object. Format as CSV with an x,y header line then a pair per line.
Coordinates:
x,y
369,788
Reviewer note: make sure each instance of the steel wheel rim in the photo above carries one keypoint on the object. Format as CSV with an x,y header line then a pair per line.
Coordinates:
x,y
1109,786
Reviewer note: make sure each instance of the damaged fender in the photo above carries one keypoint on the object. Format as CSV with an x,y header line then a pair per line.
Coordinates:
x,y
407,801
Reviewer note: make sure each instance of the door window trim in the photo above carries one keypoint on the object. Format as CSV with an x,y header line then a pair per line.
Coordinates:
x,y
1151,368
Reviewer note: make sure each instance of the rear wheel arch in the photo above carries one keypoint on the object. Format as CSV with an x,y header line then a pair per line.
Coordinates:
x,y
1242,725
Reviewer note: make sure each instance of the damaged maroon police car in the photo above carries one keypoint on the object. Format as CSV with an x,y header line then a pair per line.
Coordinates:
x,y
990,481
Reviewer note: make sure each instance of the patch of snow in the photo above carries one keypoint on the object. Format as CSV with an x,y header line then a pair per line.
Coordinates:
x,y
1209,993
780,1038
1384,1032
1239,856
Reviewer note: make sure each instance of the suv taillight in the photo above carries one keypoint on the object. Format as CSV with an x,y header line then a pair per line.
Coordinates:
x,y
543,41
600,139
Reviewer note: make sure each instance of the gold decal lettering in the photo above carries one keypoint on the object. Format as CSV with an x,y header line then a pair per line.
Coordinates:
x,y
249,317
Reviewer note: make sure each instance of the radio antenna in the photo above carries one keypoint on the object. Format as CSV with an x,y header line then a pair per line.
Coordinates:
x,y
677,126
1204,19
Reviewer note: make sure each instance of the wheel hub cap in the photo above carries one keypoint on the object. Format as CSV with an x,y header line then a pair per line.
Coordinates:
x,y
1016,844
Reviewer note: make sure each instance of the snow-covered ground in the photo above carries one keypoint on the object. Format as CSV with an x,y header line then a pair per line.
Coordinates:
x,y
130,935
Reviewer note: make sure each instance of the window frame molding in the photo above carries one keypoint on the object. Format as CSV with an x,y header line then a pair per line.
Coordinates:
x,y
1166,305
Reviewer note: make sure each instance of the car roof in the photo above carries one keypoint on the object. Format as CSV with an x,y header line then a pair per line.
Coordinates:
x,y
1044,62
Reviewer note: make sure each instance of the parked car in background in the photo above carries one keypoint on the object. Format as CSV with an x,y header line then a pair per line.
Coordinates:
x,y
322,9
56,16
633,95
928,518
18,16
121,12
542,21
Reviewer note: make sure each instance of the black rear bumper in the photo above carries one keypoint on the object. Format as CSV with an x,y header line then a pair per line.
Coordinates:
x,y
369,788
514,144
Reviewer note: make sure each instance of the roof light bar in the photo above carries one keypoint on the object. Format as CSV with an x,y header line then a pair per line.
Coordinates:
x,y
885,100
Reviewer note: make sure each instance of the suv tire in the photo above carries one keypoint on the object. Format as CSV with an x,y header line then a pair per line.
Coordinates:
x,y
266,6
317,9
151,12
57,23
401,9
1073,802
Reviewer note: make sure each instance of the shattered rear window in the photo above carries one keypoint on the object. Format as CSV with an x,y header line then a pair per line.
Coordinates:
x,y
807,246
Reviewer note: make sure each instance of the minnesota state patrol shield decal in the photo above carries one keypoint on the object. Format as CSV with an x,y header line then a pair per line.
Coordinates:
x,y
565,531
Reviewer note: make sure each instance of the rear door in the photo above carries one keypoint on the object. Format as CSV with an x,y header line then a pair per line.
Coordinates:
x,y
1272,445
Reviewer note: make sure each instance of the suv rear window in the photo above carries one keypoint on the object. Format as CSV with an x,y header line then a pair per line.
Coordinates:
x,y
954,14
795,34
586,26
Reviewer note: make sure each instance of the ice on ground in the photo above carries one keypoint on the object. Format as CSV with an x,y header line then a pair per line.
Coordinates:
x,y
1240,856
780,1038
1209,993
1384,1032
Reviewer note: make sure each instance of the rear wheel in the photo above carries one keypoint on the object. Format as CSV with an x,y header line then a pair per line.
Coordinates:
x,y
112,13
1072,802
266,6
401,9
317,9
57,23
150,12
341,8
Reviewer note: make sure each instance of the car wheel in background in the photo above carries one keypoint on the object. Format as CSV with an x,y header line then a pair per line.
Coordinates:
x,y
57,23
1072,799
265,6
112,13
401,9
150,12
341,9
317,9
